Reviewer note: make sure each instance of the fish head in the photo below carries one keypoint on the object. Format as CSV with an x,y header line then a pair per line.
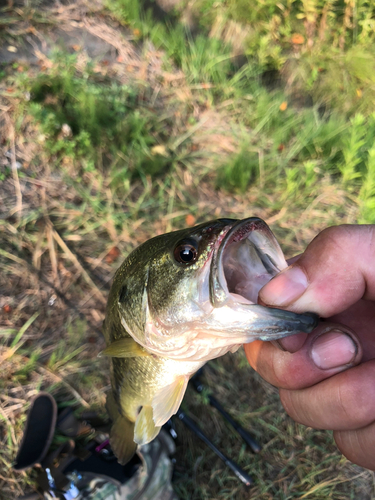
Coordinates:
x,y
182,293
164,283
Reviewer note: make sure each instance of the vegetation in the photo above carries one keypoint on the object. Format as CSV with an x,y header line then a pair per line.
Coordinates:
x,y
162,119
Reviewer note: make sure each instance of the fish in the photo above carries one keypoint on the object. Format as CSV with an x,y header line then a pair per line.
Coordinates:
x,y
177,301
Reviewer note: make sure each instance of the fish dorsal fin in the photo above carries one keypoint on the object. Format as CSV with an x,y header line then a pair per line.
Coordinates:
x,y
121,434
145,429
167,400
125,348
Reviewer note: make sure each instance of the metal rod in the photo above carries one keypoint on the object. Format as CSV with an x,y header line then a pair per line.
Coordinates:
x,y
241,474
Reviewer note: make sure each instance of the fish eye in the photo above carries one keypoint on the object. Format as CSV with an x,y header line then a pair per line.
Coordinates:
x,y
186,252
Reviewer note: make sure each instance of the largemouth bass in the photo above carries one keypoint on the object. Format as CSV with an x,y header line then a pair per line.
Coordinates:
x,y
177,301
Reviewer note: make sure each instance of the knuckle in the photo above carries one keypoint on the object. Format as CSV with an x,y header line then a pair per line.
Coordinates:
x,y
355,396
345,236
295,406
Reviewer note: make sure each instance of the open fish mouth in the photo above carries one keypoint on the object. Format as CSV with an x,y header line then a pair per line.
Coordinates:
x,y
247,258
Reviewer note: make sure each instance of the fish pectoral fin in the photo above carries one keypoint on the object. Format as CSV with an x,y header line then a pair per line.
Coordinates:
x,y
145,429
167,400
125,348
121,436
234,348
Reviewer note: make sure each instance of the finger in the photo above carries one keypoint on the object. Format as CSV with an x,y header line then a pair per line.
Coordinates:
x,y
328,350
360,317
292,260
334,272
358,445
292,343
343,402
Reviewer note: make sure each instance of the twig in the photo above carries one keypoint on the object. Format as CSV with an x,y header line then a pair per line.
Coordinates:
x,y
52,253
18,208
76,262
277,216
261,168
10,426
124,49
60,380
58,292
38,251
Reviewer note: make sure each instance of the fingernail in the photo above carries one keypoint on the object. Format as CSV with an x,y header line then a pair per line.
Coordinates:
x,y
287,287
332,350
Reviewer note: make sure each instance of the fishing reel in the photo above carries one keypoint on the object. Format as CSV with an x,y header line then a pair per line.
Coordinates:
x,y
75,461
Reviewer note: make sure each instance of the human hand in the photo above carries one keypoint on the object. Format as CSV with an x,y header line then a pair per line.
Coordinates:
x,y
326,379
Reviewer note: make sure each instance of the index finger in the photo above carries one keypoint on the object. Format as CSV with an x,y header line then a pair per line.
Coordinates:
x,y
336,270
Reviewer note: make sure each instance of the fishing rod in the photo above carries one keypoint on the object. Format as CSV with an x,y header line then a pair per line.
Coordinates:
x,y
249,440
241,474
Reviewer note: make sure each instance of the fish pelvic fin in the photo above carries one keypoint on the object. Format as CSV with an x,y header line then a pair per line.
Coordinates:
x,y
125,348
167,400
145,429
121,434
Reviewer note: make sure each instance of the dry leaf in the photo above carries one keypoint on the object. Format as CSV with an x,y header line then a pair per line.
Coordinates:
x,y
297,39
12,48
160,149
112,255
190,220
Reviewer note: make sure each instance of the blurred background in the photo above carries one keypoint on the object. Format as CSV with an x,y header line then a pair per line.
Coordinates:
x,y
124,119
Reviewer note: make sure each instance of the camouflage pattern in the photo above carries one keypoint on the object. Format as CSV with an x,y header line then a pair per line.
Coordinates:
x,y
152,481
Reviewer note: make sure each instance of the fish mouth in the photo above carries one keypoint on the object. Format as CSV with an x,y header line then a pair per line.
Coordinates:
x,y
246,259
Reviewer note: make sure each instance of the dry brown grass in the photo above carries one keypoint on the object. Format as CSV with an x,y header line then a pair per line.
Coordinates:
x,y
56,262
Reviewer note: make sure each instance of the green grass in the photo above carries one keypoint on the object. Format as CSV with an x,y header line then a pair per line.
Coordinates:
x,y
334,66
101,124
112,153
324,48
95,121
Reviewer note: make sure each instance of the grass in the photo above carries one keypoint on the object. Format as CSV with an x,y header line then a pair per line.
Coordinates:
x,y
100,153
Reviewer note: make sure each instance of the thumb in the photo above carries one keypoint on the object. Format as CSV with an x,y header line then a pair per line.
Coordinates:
x,y
336,270
329,349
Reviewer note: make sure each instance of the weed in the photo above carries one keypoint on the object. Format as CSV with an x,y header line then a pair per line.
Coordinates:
x,y
352,148
367,192
204,60
239,171
93,122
